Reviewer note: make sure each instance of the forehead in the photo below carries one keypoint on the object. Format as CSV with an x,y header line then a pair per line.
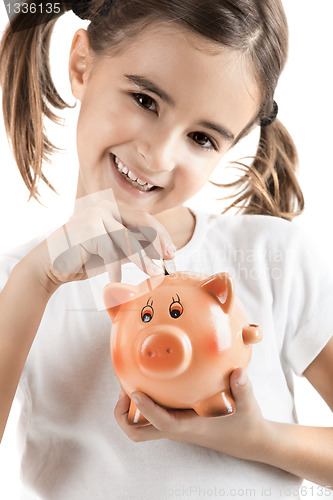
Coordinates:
x,y
199,73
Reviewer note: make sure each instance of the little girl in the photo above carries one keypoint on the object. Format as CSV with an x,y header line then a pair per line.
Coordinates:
x,y
166,89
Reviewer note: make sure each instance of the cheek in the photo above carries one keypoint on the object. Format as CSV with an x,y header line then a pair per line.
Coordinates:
x,y
197,172
107,119
210,345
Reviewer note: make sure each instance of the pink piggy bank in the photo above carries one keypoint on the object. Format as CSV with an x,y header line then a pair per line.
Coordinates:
x,y
177,338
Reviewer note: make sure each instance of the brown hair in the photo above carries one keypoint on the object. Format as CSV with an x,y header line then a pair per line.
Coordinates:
x,y
257,28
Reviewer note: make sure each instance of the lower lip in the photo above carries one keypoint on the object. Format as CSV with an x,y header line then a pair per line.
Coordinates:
x,y
127,186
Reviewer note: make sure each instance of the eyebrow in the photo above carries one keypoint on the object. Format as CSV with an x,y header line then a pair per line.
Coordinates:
x,y
146,84
221,130
149,86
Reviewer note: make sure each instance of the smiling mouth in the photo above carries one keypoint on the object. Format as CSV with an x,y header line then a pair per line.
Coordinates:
x,y
131,178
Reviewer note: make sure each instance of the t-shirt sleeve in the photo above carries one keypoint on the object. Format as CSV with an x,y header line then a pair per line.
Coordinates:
x,y
304,308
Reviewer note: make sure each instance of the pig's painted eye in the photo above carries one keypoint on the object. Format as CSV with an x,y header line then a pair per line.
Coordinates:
x,y
176,309
147,314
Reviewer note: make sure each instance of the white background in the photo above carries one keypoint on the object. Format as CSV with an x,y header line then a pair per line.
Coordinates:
x,y
305,103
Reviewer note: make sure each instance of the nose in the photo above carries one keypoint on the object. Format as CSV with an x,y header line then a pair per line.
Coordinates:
x,y
159,149
164,354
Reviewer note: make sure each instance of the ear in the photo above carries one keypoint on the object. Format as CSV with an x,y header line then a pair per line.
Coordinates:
x,y
222,287
80,60
116,294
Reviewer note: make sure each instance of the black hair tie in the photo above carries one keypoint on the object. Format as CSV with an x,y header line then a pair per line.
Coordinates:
x,y
267,121
82,8
105,9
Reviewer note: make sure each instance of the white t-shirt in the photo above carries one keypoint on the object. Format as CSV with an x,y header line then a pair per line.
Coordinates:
x,y
73,449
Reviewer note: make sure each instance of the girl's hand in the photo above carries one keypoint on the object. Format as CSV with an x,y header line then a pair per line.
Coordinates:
x,y
241,435
100,236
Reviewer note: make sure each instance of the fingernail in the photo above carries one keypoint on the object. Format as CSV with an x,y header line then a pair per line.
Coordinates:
x,y
170,250
243,378
135,400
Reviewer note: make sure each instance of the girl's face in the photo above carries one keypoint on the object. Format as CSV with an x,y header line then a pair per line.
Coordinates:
x,y
157,116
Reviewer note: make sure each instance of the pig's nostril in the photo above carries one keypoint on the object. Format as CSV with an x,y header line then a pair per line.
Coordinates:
x,y
163,353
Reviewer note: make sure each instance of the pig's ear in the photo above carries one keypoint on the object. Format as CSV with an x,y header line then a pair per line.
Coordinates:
x,y
222,287
116,294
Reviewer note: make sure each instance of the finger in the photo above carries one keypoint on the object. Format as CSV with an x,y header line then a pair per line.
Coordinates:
x,y
128,246
146,433
114,272
111,258
121,408
159,417
241,389
142,261
163,244
137,434
148,239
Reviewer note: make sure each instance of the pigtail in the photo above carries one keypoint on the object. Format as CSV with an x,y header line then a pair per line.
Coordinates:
x,y
269,186
28,91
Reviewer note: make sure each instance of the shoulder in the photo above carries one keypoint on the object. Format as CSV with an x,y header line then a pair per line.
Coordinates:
x,y
247,221
255,230
264,224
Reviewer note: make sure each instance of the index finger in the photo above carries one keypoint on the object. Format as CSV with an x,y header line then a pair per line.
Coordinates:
x,y
152,230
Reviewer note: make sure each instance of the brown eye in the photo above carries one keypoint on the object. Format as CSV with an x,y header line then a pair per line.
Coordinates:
x,y
147,314
203,140
146,102
175,309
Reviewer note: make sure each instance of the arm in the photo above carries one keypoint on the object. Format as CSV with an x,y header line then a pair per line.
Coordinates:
x,y
308,451
95,230
22,305
304,451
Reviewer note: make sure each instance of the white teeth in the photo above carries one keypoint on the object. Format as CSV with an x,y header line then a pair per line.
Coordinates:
x,y
131,175
145,186
121,166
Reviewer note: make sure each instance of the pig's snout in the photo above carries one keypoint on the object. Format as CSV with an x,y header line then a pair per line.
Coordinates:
x,y
165,354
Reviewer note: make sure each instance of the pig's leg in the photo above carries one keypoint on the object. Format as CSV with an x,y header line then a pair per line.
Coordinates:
x,y
135,417
216,406
251,334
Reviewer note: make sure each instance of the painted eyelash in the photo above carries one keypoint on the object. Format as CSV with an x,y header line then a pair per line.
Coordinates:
x,y
173,300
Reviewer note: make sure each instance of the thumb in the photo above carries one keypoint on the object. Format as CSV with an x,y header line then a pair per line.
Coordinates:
x,y
241,389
